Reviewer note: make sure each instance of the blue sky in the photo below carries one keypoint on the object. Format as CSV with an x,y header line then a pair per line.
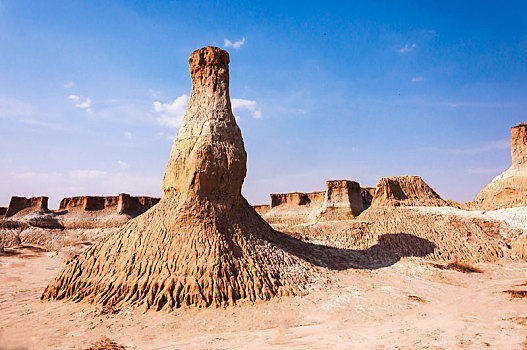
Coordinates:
x,y
91,93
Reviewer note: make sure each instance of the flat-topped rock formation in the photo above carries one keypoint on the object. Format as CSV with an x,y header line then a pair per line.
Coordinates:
x,y
509,189
22,205
82,212
408,190
343,200
202,244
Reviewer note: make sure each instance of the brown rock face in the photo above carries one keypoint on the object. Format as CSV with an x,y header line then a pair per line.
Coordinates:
x,y
509,189
409,190
343,200
202,244
519,144
208,158
18,204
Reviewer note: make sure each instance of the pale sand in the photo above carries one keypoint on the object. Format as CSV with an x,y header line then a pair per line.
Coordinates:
x,y
409,305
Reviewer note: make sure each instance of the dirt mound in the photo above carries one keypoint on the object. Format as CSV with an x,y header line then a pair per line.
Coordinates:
x,y
203,244
457,235
509,189
409,190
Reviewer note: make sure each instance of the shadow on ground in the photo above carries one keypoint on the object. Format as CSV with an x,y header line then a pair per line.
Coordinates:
x,y
389,249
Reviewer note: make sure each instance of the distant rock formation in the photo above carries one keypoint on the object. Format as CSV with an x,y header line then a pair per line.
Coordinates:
x,y
82,212
343,200
202,244
122,204
408,190
508,189
19,204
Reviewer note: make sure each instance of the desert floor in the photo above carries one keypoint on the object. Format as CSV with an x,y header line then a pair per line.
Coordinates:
x,y
409,305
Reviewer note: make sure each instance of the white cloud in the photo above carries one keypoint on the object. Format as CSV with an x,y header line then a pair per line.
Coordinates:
x,y
417,79
236,44
407,48
171,113
128,135
83,103
239,104
69,85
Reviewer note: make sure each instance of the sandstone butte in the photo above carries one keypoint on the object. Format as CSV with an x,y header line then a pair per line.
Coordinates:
x,y
202,244
509,189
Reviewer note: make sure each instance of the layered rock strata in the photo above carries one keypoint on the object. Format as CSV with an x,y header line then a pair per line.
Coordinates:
x,y
508,189
202,244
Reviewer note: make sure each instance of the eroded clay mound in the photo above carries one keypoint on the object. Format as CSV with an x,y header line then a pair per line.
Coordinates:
x,y
509,189
444,234
409,190
203,244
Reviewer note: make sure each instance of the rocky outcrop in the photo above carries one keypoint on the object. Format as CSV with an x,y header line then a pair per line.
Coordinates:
x,y
82,212
122,204
343,200
509,189
25,205
135,205
409,190
202,244
296,199
261,209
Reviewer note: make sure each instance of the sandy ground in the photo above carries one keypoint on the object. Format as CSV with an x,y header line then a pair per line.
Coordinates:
x,y
409,305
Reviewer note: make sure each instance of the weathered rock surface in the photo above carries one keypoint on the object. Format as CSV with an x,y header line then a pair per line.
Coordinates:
x,y
409,190
509,189
22,205
83,212
202,244
438,233
343,200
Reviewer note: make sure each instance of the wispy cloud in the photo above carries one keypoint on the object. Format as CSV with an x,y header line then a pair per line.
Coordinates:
x,y
239,104
83,103
69,85
407,48
417,79
86,174
128,135
171,113
10,107
236,44
487,147
154,93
